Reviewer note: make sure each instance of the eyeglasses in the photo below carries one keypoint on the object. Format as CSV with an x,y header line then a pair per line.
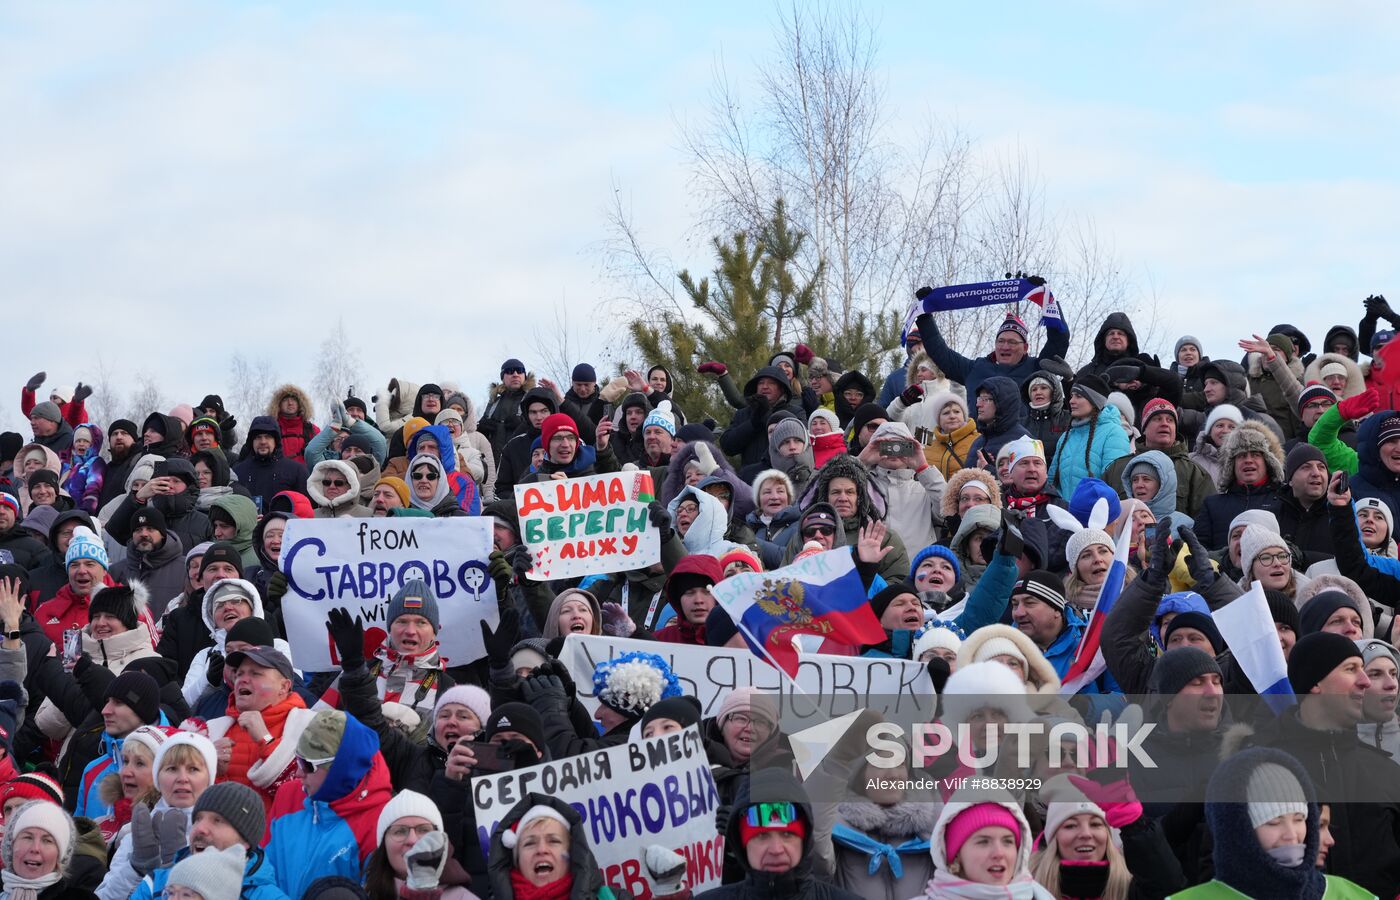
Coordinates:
x,y
309,766
1268,559
1009,344
335,482
765,815
818,531
1319,404
425,476
512,371
401,832
742,720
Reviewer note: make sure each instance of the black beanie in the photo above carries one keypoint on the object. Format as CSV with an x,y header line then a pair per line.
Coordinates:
x,y
881,601
719,627
150,516
1042,585
43,476
119,600
1281,609
212,401
356,403
1320,608
1175,669
517,717
221,516
138,691
865,415
1199,621
1315,656
1300,454
684,709
221,551
126,425
252,630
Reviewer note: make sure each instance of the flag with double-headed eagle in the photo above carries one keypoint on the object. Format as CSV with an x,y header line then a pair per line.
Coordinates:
x,y
821,595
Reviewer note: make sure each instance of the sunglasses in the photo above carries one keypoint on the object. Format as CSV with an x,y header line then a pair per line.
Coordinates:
x,y
338,482
818,531
309,766
425,476
512,371
765,815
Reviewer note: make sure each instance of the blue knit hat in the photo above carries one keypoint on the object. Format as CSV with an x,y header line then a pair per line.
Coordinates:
x,y
1087,493
414,599
86,545
940,551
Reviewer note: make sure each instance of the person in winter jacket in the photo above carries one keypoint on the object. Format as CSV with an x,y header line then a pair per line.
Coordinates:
x,y
505,405
845,484
473,451
155,556
537,405
123,449
50,429
1251,473
234,518
854,390
1095,437
768,391
132,699
70,401
700,520
1380,726
413,852
164,435
1224,381
790,452
225,603
626,687
326,824
260,751
1151,478
772,833
1010,356
884,830
775,510
87,565
87,469
913,489
264,469
437,440
1205,453
982,847
1262,811
1047,419
540,849
949,448
924,382
688,592
183,630
40,839
345,432
174,490
1338,371
898,379
1194,482
294,414
23,548
1119,363
334,487
999,415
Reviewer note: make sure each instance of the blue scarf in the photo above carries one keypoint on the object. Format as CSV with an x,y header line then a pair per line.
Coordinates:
x,y
878,852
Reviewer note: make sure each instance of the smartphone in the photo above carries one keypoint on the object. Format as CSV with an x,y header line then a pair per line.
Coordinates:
x,y
1149,531
72,647
489,757
1343,483
897,449
608,410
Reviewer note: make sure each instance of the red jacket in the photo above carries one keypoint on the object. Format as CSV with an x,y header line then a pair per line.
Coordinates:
x,y
682,632
74,413
296,432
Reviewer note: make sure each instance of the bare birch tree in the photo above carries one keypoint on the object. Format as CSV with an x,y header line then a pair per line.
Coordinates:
x,y
338,366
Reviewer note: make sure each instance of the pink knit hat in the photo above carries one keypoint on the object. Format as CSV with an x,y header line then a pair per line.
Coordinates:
x,y
970,820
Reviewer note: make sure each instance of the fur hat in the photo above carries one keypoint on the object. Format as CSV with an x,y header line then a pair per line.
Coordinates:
x,y
774,475
124,601
996,640
1250,436
960,479
979,685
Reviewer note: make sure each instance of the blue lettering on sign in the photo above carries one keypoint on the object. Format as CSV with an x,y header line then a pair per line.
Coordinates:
x,y
367,580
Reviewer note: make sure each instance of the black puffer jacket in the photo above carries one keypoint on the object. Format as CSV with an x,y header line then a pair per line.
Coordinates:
x,y
1156,381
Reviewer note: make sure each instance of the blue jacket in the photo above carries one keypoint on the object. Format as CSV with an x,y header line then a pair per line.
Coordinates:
x,y
90,802
318,449
259,880
1108,443
972,372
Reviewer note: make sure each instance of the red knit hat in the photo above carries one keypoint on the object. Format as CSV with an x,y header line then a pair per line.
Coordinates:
x,y
32,786
554,424
741,554
970,820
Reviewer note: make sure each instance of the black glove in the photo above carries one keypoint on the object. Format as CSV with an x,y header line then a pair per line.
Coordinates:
x,y
349,637
1161,557
1035,280
1376,305
521,754
758,411
1056,365
938,672
1011,542
556,669
81,665
920,294
36,382
1198,563
1125,371
81,392
276,587
539,689
214,672
722,814
660,518
521,562
912,394
499,641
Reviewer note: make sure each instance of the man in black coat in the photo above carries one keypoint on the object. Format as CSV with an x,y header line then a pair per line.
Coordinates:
x,y
264,470
765,393
174,490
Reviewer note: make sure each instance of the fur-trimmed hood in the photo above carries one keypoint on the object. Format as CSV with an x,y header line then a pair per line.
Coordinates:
x,y
870,502
317,493
307,410
1040,675
888,823
206,605
911,371
949,504
1250,436
960,803
1356,382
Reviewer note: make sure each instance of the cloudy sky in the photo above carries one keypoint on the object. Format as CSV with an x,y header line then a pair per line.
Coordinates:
x,y
182,181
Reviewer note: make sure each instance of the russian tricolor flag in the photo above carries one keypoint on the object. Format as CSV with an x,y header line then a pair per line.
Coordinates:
x,y
1248,629
1041,296
820,595
1088,662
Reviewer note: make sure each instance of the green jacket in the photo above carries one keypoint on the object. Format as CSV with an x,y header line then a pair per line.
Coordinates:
x,y
1324,437
1337,889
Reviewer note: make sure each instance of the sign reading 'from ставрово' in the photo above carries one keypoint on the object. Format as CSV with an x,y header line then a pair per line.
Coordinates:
x,y
589,525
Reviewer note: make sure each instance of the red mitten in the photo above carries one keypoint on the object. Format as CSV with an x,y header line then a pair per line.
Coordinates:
x,y
803,354
1119,803
716,369
1360,406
